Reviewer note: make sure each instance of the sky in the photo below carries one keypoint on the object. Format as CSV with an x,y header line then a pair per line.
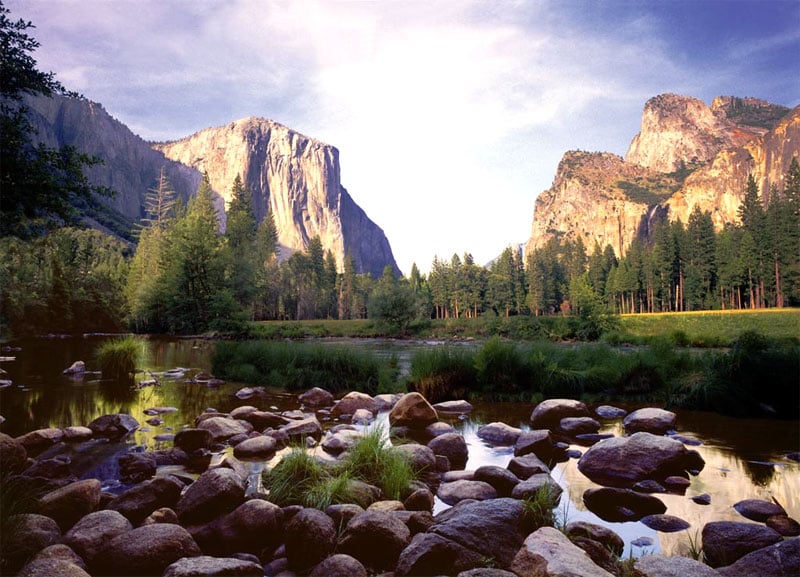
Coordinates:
x,y
450,116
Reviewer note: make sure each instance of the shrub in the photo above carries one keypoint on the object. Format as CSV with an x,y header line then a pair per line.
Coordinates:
x,y
118,358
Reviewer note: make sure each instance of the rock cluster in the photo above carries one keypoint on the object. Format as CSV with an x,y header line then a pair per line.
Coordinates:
x,y
176,525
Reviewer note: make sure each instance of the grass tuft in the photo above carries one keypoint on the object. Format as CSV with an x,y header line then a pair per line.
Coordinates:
x,y
118,358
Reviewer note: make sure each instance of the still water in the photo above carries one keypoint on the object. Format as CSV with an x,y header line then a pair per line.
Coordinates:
x,y
745,458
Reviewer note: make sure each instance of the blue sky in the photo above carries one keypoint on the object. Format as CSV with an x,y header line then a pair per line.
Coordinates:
x,y
450,116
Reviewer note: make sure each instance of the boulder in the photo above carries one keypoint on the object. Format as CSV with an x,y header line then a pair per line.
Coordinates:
x,y
431,554
310,537
339,565
650,420
386,401
76,368
784,525
316,397
458,407
527,465
781,559
27,534
56,468
486,572
341,441
499,434
665,523
501,479
622,461
549,553
161,515
261,448
574,426
114,426
13,456
758,510
254,526
603,535
661,566
419,500
89,536
146,550
214,493
62,552
343,513
539,442
136,467
138,502
724,542
535,483
362,417
649,486
419,456
548,414
439,428
309,427
50,567
609,412
353,401
620,505
37,441
453,446
387,506
414,411
205,566
456,491
192,439
375,538
262,420
71,502
223,428
77,434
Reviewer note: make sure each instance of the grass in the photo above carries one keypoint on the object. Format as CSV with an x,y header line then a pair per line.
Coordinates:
x,y
118,358
538,508
299,479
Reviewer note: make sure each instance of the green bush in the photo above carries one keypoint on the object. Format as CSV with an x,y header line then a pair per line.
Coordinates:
x,y
118,358
443,373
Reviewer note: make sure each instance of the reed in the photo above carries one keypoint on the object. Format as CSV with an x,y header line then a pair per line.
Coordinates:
x,y
118,358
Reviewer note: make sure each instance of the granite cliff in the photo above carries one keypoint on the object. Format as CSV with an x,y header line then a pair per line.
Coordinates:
x,y
686,154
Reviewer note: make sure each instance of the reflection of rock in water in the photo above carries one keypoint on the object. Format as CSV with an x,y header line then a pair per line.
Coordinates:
x,y
760,472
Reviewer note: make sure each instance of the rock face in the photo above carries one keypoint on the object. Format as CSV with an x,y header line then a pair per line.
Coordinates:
x,y
686,154
294,177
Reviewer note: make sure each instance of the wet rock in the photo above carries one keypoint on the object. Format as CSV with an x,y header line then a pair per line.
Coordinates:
x,y
527,465
649,486
37,441
48,567
70,503
691,441
499,434
548,414
501,479
77,434
353,401
535,483
136,467
248,392
782,558
486,572
13,456
214,493
414,411
677,484
758,509
89,536
261,447
539,442
26,535
665,523
61,552
385,402
252,527
460,475
76,368
622,461
452,493
724,542
661,566
453,446
342,514
146,550
784,525
702,499
192,439
57,468
310,537
341,441
138,502
573,426
339,565
460,406
650,420
550,553
160,410
603,535
265,419
609,412
113,426
316,397
308,427
419,500
439,428
205,566
362,417
223,428
619,505
375,538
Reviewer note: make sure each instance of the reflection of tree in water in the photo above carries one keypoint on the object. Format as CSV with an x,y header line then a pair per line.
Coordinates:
x,y
759,472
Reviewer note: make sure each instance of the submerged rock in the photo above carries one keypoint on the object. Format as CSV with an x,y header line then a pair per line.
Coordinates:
x,y
619,505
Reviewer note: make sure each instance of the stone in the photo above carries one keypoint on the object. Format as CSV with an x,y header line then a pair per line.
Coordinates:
x,y
535,483
783,558
261,448
57,468
419,456
341,441
77,434
161,515
609,412
420,500
136,467
665,523
649,486
316,397
527,465
573,426
248,392
192,439
90,535
724,542
458,407
501,479
439,428
26,535
70,503
353,401
622,461
48,567
146,550
549,553
431,554
114,426
486,572
387,506
205,566
386,401
310,537
603,535
620,505
661,566
452,493
499,434
677,483
362,417
453,446
650,420
309,427
343,513
460,475
262,420
223,428
76,368
375,538
414,411
37,441
758,510
61,552
214,493
13,456
783,525
254,526
339,565
548,413
539,442
702,499
140,501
